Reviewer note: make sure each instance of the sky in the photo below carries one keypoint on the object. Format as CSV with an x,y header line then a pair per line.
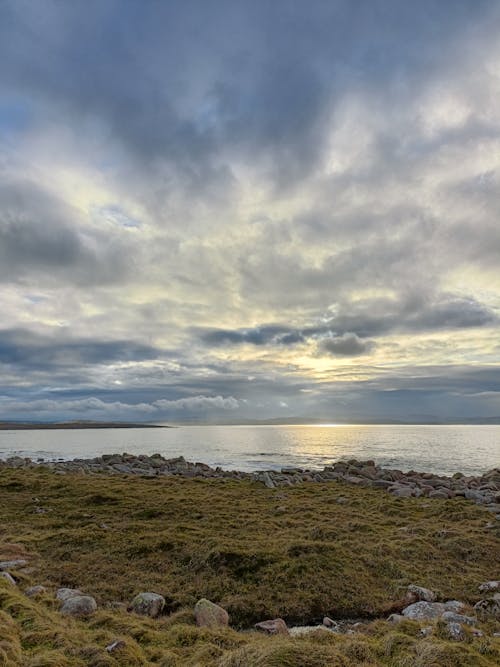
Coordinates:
x,y
243,209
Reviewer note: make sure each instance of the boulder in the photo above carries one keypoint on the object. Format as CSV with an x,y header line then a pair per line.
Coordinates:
x,y
275,626
12,564
424,611
147,604
421,593
455,605
79,606
33,591
452,617
63,594
489,608
210,615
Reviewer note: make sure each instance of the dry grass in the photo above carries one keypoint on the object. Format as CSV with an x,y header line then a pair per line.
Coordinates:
x,y
295,553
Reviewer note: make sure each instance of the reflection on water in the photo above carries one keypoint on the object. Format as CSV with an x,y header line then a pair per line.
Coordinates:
x,y
441,449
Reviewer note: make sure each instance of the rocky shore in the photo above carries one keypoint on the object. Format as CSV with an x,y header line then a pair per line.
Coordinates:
x,y
483,489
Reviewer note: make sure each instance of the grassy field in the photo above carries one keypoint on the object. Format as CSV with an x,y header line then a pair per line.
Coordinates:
x,y
299,553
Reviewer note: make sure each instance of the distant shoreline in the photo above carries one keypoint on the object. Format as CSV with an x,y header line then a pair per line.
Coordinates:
x,y
27,426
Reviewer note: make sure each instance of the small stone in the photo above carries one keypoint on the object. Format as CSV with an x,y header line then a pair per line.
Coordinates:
x,y
401,491
395,618
424,594
342,500
455,631
67,593
79,605
424,611
147,604
33,591
8,577
428,630
115,646
275,626
486,587
210,615
329,622
12,564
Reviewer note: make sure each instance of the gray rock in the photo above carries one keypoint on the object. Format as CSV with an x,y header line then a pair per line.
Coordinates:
x,y
210,615
33,591
395,618
79,605
8,577
489,608
424,611
12,564
455,631
275,626
452,617
329,622
421,593
488,586
147,604
401,491
454,605
67,593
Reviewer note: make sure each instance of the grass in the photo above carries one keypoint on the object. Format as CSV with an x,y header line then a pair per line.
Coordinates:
x,y
260,553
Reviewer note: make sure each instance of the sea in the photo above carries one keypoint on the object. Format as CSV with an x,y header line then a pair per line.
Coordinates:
x,y
445,450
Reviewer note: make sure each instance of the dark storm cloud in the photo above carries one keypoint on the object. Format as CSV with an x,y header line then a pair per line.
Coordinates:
x,y
29,351
40,235
347,331
180,81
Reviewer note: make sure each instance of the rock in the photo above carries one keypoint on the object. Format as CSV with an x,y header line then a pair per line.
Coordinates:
x,y
454,605
395,618
33,591
483,588
489,608
428,630
424,611
8,577
300,630
12,564
67,593
421,593
439,494
147,604
210,615
275,626
329,622
401,491
115,646
452,617
79,605
455,632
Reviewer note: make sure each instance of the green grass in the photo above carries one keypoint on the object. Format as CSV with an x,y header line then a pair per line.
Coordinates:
x,y
260,553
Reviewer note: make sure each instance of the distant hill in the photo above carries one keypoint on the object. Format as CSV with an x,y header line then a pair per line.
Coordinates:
x,y
70,425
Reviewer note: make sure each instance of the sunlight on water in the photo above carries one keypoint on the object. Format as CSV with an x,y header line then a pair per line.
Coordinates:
x,y
440,449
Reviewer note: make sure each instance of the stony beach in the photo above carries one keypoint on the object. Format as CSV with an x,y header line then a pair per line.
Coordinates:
x,y
483,489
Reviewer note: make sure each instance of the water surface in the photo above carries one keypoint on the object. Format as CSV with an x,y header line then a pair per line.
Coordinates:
x,y
439,449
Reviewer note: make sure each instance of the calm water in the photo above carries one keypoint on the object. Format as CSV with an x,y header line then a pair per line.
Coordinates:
x,y
440,449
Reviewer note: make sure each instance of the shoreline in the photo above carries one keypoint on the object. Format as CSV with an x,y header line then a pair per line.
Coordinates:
x,y
482,489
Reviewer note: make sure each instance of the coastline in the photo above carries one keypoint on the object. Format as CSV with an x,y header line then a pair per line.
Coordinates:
x,y
482,489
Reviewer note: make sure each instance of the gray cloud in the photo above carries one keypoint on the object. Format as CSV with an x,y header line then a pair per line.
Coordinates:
x,y
347,345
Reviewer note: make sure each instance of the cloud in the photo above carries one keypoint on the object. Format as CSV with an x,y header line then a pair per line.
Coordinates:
x,y
348,345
